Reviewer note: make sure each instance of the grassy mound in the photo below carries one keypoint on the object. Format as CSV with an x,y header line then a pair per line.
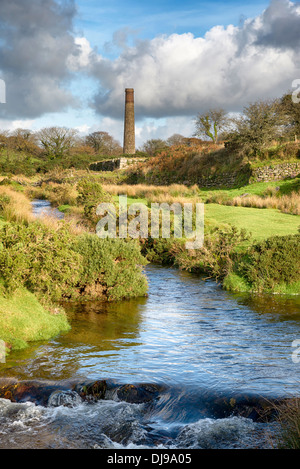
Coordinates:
x,y
23,319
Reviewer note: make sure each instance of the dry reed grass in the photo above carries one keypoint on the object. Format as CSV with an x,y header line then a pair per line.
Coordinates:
x,y
57,194
18,209
287,203
152,193
75,224
288,417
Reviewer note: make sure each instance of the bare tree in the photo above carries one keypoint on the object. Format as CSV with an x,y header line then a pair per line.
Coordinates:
x,y
103,143
210,123
153,145
56,141
176,139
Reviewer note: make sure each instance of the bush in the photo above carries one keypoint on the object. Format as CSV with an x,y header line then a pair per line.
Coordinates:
x,y
55,265
111,267
91,194
217,256
158,251
272,262
40,259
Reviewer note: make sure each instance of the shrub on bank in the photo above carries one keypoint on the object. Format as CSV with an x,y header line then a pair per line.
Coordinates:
x,y
111,267
216,257
272,262
39,258
91,194
55,264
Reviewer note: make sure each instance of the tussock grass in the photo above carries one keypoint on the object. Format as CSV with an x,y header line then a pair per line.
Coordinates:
x,y
286,203
18,208
146,191
57,194
268,196
75,224
288,417
175,193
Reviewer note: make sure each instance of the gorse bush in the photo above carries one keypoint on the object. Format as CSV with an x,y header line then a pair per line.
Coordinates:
x,y
55,264
40,259
217,256
159,251
272,262
91,194
111,266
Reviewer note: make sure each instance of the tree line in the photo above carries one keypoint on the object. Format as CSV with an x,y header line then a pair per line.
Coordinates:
x,y
261,123
56,142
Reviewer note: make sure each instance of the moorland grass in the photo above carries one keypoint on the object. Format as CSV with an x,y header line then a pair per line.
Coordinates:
x,y
24,319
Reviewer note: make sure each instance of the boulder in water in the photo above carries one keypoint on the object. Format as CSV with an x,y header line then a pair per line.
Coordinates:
x,y
92,391
37,392
138,394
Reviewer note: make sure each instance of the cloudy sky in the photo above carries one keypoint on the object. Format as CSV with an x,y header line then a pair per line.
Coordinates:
x,y
67,62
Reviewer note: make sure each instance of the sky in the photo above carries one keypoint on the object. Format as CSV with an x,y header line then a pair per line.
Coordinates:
x,y
68,62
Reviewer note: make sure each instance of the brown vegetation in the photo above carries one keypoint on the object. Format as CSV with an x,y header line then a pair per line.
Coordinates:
x,y
289,203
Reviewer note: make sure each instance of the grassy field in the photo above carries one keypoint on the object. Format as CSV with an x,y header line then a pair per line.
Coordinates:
x,y
258,188
262,223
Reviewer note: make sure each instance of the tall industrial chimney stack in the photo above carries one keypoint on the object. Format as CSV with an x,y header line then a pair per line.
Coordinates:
x,y
129,124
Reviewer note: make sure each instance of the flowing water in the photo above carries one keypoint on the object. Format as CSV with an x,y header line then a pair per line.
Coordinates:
x,y
202,344
43,207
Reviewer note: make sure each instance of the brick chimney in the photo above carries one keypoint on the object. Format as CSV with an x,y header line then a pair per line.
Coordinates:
x,y
129,124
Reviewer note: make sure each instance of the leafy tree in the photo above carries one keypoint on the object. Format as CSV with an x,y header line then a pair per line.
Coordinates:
x,y
56,141
261,123
20,140
210,123
291,111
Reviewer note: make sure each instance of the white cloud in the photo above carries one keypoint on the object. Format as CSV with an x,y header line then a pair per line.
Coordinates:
x,y
181,75
16,124
36,40
82,58
149,129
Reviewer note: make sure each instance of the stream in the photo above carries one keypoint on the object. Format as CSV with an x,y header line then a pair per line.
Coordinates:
x,y
204,348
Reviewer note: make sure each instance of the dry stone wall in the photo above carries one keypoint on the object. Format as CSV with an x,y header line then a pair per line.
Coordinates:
x,y
244,176
276,172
